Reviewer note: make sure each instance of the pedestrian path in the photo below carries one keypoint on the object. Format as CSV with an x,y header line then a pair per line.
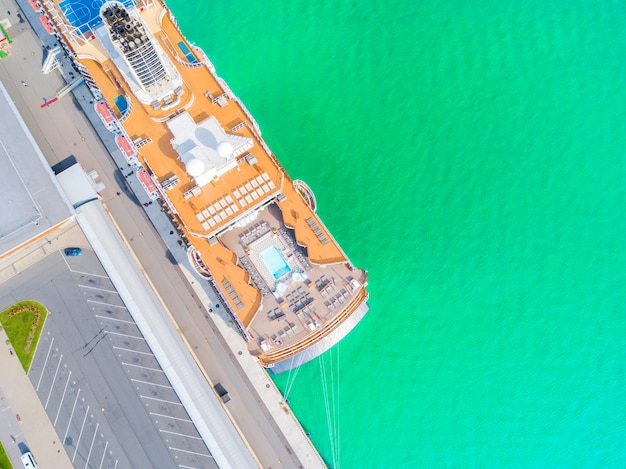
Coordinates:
x,y
23,420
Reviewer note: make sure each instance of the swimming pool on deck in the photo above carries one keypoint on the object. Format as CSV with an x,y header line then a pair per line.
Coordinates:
x,y
275,262
121,104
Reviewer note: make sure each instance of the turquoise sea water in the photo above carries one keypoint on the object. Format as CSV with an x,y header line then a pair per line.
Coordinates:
x,y
471,156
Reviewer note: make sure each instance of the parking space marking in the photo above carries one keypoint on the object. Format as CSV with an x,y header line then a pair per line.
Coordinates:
x,y
80,434
125,335
91,447
85,273
170,417
114,319
190,452
104,454
151,384
134,351
44,364
106,304
71,416
96,288
62,398
160,400
144,367
180,434
53,381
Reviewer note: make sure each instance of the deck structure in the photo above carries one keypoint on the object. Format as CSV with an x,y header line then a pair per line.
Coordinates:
x,y
249,229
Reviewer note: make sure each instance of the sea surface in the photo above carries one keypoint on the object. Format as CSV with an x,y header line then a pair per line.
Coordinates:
x,y
471,156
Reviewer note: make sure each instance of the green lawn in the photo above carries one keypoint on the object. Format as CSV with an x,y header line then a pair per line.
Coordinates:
x,y
23,323
4,459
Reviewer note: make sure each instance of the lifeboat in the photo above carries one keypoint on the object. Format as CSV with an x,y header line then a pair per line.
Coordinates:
x,y
148,184
46,24
105,114
127,148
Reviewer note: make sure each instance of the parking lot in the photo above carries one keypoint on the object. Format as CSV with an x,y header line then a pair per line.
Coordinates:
x,y
103,390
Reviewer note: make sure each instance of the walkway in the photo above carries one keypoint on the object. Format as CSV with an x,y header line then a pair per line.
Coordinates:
x,y
34,429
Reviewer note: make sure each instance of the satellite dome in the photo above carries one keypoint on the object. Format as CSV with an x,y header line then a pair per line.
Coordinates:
x,y
194,167
224,149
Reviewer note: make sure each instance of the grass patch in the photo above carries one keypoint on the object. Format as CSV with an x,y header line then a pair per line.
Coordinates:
x,y
4,459
23,323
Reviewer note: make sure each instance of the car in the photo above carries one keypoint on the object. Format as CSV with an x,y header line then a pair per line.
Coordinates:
x,y
222,393
29,461
70,252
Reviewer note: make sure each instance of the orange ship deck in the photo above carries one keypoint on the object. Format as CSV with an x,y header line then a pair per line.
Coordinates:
x,y
245,189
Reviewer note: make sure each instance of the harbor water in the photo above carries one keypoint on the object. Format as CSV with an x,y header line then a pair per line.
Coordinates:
x,y
470,155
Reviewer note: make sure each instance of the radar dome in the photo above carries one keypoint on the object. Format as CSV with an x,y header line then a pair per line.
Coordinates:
x,y
194,167
224,149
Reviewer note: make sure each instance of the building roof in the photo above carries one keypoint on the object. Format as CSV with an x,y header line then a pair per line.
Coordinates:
x,y
31,201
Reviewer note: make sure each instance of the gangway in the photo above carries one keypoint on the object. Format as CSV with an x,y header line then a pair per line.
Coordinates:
x,y
64,91
52,60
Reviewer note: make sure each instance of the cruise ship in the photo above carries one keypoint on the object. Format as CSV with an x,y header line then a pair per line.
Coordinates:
x,y
248,229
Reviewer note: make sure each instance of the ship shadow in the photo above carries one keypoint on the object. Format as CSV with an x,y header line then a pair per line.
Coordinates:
x,y
122,183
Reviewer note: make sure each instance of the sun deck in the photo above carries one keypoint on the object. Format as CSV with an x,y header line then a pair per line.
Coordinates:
x,y
237,221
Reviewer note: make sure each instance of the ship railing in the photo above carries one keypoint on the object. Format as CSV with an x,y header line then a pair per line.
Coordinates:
x,y
186,63
307,194
289,351
129,103
242,330
196,261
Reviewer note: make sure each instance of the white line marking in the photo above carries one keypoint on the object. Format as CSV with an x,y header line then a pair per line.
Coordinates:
x,y
106,304
104,454
80,434
134,351
186,467
115,319
65,260
53,381
87,273
190,452
180,434
125,335
62,398
96,288
151,384
44,364
116,461
144,367
170,417
91,447
160,400
71,416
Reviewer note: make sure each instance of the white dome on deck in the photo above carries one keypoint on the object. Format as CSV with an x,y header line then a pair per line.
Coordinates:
x,y
194,167
225,149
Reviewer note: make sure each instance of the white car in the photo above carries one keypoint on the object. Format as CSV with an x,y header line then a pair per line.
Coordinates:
x,y
29,461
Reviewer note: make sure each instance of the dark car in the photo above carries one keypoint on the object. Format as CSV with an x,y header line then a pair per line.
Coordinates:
x,y
222,393
73,252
